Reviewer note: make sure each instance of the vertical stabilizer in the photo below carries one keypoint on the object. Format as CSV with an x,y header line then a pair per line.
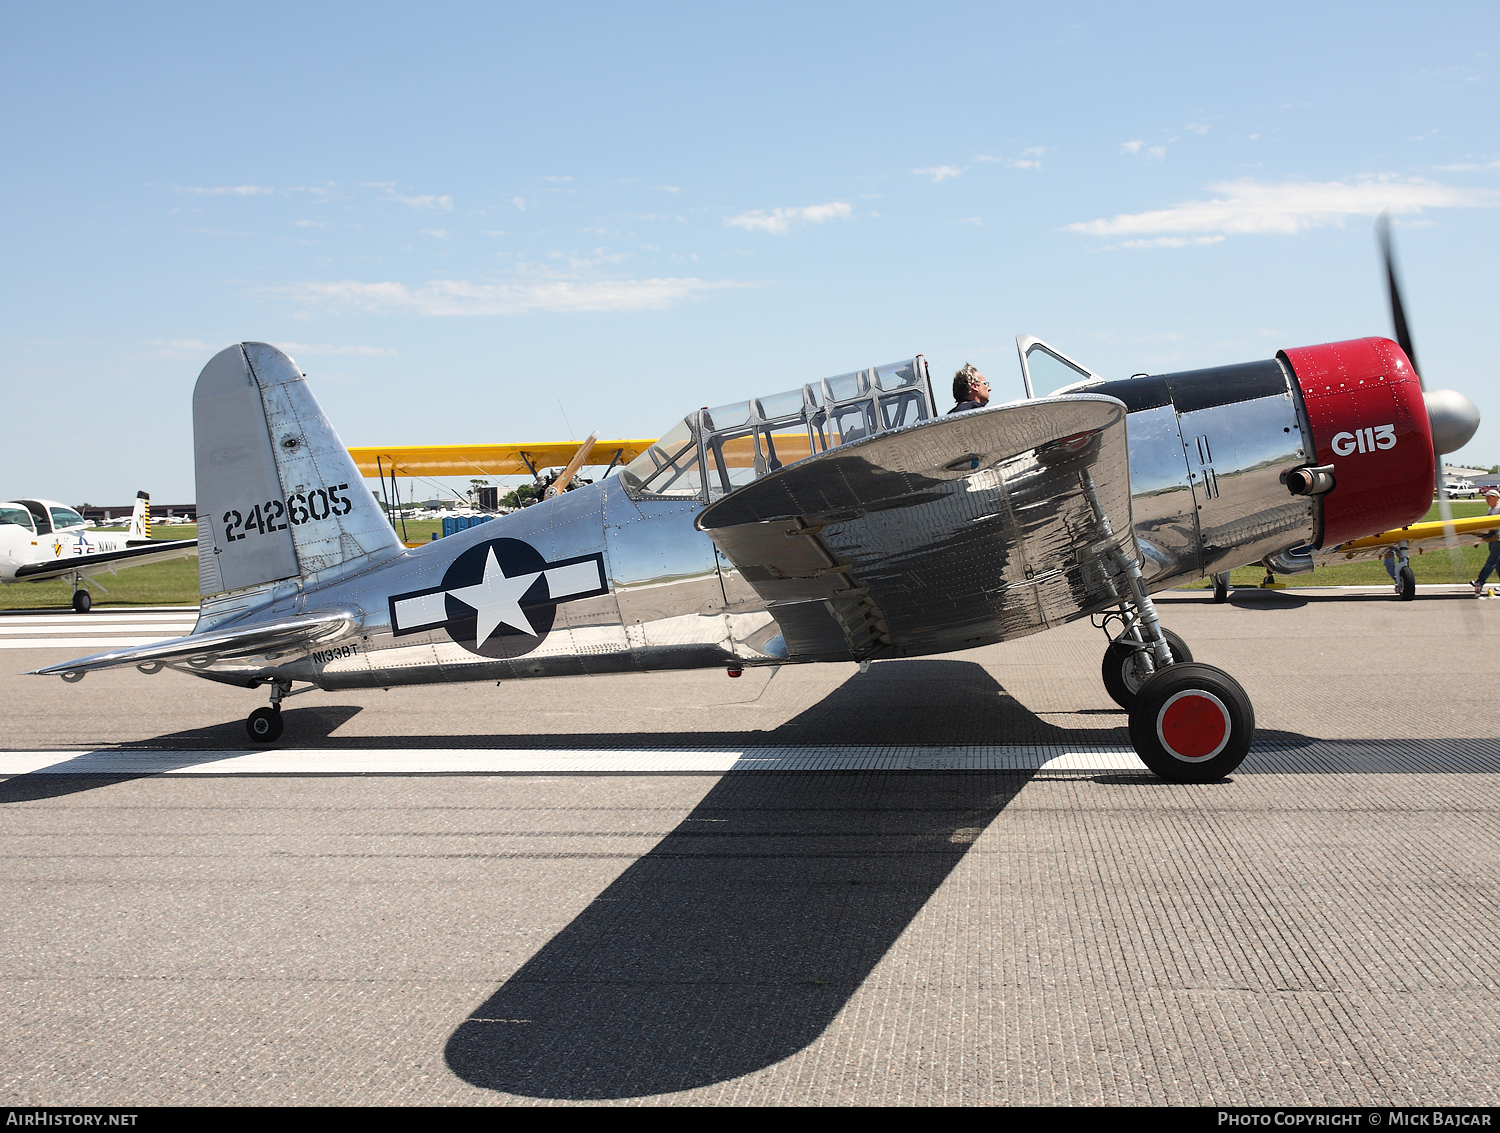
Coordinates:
x,y
140,517
278,494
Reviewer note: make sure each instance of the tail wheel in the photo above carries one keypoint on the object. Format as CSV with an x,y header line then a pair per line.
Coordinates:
x,y
82,600
1221,587
1192,723
1124,670
1408,583
264,725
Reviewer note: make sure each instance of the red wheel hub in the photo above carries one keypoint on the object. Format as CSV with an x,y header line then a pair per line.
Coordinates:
x,y
1193,725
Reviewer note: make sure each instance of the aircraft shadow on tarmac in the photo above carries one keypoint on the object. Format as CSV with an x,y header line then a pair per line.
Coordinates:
x,y
739,937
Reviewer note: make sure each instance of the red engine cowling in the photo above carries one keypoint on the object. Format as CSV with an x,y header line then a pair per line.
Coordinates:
x,y
1369,421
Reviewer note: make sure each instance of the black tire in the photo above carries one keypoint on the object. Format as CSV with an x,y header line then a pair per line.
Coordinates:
x,y
1221,587
1408,582
1192,723
1120,678
82,600
264,725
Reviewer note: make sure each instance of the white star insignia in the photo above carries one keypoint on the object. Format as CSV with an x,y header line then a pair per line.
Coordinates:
x,y
497,600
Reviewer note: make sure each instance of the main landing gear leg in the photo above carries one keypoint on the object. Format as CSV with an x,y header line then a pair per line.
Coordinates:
x,y
1189,722
82,599
1403,576
264,724
1133,658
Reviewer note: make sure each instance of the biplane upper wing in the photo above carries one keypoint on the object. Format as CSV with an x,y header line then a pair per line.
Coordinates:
x,y
1419,537
138,554
485,460
945,535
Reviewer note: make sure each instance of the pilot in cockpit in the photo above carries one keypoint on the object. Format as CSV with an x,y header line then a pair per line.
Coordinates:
x,y
970,389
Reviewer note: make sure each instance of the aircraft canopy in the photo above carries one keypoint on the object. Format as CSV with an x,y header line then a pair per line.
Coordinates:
x,y
739,442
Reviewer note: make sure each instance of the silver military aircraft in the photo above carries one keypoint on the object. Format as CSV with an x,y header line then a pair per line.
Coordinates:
x,y
844,520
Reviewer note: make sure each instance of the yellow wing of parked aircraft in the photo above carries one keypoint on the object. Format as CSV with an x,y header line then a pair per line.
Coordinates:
x,y
1419,538
484,460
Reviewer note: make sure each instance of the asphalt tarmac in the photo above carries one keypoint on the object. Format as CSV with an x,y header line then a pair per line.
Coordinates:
x,y
942,881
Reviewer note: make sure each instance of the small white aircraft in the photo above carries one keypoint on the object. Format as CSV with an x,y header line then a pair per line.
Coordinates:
x,y
41,539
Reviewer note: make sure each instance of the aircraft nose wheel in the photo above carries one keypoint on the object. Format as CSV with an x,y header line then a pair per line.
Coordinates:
x,y
82,600
1124,669
1192,723
264,725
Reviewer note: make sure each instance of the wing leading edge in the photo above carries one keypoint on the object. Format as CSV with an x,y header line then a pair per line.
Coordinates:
x,y
953,533
154,552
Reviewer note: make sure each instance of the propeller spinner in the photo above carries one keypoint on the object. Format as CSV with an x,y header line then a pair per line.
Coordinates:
x,y
1455,418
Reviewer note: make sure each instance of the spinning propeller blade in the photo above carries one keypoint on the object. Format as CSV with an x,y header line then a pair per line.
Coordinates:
x,y
1454,417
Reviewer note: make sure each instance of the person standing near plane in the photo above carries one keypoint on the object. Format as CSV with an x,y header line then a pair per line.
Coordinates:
x,y
970,390
1492,497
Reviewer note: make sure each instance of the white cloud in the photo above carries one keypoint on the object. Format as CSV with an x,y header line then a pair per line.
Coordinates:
x,y
781,220
445,203
1157,152
462,297
974,220
939,173
1166,242
1249,206
440,233
1031,158
1131,147
519,202
228,190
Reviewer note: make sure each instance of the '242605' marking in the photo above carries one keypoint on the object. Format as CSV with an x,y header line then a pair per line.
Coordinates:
x,y
273,515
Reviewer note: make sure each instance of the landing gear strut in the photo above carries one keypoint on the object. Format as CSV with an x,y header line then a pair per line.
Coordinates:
x,y
264,724
1398,566
1126,667
82,599
1189,722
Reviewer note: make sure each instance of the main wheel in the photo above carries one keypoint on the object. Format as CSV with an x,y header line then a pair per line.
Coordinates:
x,y
264,725
1408,583
1192,723
1221,587
82,601
1124,668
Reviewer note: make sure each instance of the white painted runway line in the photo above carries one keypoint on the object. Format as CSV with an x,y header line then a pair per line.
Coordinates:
x,y
450,761
100,629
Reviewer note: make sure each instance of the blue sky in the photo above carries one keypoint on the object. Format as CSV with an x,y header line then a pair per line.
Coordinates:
x,y
457,216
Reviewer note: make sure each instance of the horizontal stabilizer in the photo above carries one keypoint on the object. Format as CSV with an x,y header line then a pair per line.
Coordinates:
x,y
953,533
198,649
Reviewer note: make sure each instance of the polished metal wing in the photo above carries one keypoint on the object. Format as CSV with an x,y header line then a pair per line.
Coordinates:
x,y
946,535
